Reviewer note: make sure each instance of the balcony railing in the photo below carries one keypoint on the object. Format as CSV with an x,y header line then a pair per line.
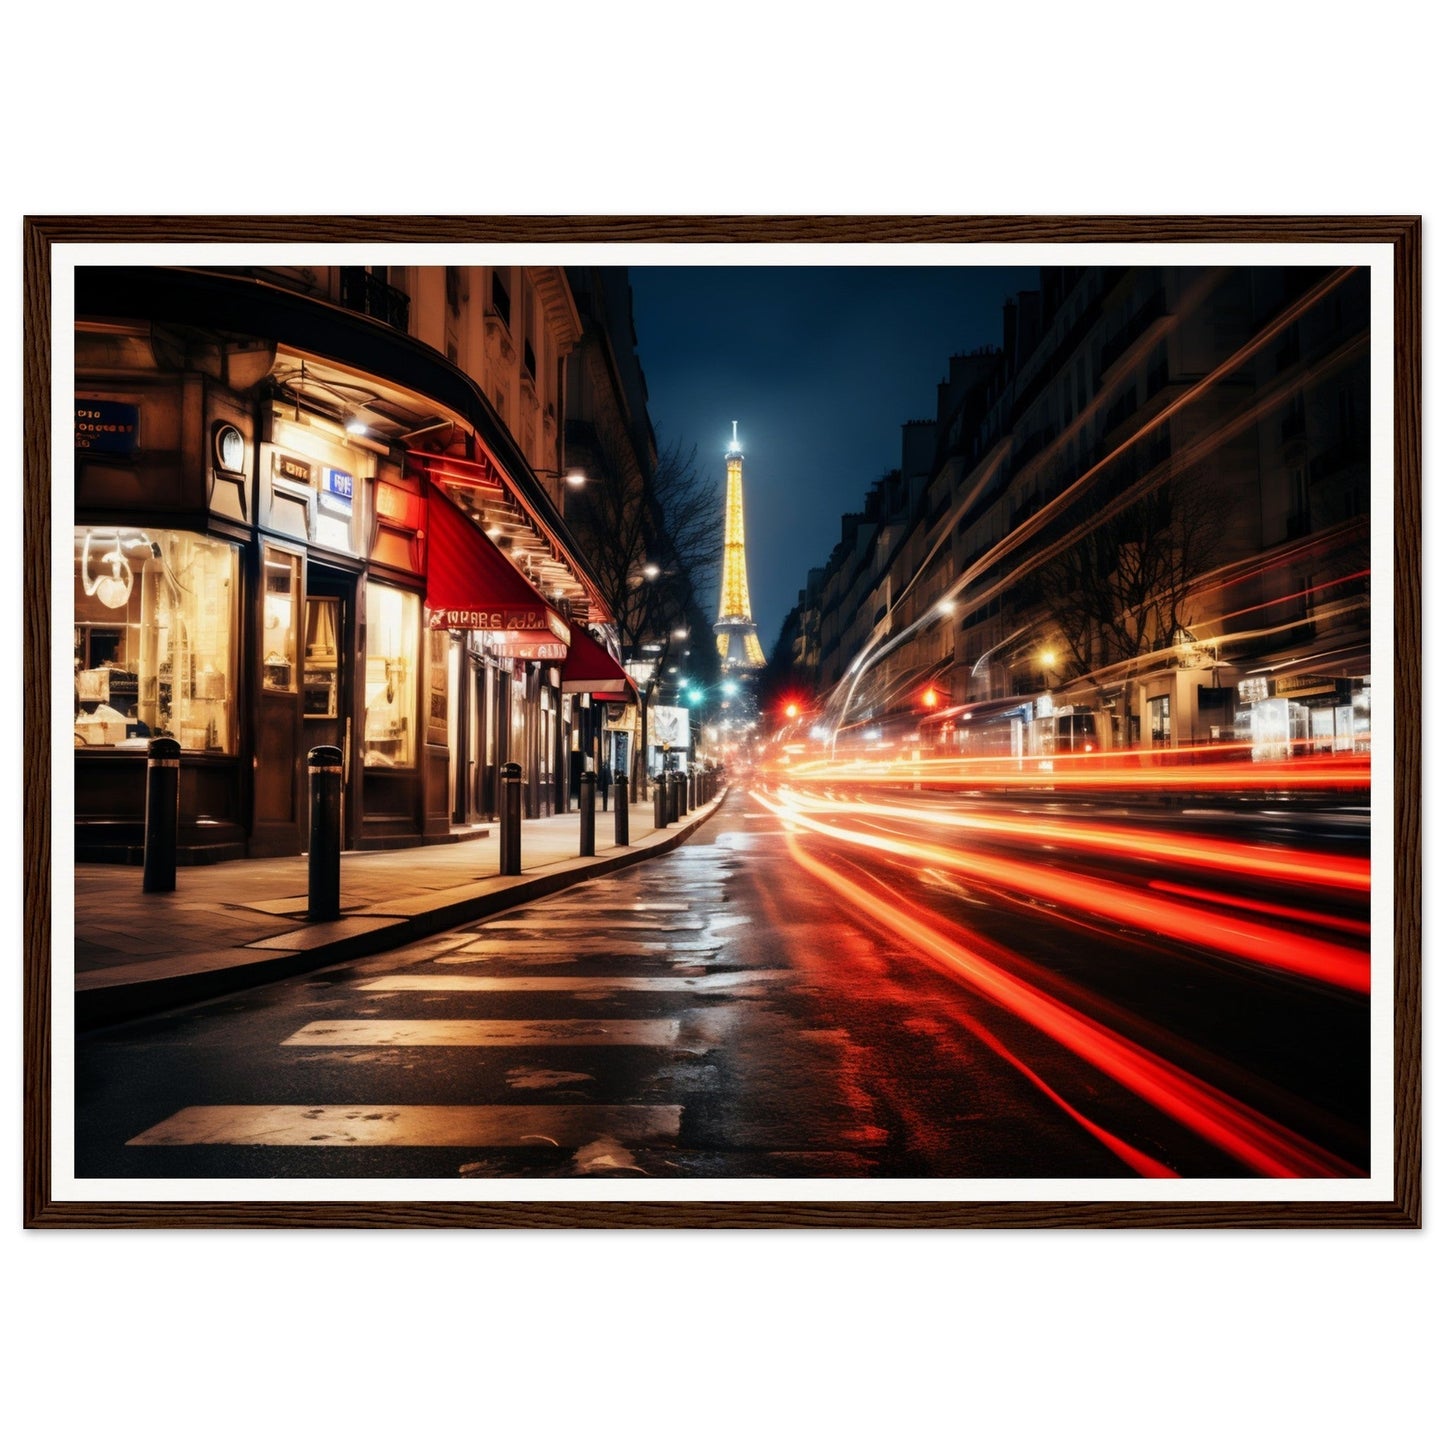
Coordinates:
x,y
371,296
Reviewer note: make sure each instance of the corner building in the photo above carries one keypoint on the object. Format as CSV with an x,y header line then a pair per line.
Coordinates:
x,y
322,506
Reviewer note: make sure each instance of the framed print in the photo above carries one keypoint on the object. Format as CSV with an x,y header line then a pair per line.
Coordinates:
x,y
802,722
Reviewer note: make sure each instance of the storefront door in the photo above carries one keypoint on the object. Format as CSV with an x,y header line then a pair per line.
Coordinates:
x,y
278,815
473,777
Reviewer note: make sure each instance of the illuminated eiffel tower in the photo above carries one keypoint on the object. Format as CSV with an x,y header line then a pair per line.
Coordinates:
x,y
737,635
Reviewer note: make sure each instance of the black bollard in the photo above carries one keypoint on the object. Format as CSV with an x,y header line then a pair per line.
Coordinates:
x,y
511,830
163,815
659,802
587,807
679,795
323,862
620,819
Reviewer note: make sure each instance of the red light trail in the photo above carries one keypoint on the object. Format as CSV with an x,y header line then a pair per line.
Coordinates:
x,y
1258,943
1242,1132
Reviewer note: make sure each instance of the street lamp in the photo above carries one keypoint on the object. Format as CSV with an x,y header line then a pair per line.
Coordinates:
x,y
573,476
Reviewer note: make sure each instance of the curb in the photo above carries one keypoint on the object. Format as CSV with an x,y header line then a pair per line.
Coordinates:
x,y
103,1005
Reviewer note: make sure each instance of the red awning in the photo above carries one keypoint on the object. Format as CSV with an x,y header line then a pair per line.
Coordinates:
x,y
591,668
470,584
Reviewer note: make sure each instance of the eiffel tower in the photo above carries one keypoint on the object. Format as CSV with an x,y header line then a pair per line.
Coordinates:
x,y
737,634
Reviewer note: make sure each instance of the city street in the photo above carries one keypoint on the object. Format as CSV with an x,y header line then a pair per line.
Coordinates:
x,y
817,984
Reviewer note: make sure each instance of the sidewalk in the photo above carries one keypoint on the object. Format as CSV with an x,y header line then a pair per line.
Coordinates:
x,y
234,925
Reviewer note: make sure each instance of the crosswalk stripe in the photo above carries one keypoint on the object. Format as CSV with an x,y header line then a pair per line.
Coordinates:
x,y
600,905
472,1126
589,944
486,1033
531,983
597,925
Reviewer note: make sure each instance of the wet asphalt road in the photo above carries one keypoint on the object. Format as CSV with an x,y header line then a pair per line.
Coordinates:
x,y
716,1013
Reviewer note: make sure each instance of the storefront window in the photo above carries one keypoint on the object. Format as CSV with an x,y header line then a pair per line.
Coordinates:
x,y
155,636
392,628
282,589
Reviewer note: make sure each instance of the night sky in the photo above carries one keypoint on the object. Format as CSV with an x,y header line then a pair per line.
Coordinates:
x,y
821,366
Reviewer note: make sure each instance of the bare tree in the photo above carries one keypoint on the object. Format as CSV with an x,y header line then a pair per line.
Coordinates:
x,y
653,536
1122,585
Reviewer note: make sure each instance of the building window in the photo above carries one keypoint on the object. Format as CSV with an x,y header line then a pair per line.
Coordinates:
x,y
529,331
366,289
501,299
392,631
155,639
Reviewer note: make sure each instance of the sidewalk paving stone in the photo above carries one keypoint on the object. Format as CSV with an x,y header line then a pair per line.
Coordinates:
x,y
233,925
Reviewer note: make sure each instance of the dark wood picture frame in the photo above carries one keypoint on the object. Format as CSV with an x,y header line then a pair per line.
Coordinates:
x,y
1401,233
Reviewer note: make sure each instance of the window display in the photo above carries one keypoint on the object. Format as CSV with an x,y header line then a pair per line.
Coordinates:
x,y
155,636
393,623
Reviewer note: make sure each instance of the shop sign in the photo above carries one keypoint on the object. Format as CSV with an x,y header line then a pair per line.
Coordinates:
x,y
531,651
397,505
336,489
528,646
667,727
1253,689
293,469
496,619
106,426
1301,684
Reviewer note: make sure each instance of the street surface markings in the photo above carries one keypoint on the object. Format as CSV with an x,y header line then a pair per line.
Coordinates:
x,y
595,924
501,947
466,1126
642,983
524,1078
600,904
486,1033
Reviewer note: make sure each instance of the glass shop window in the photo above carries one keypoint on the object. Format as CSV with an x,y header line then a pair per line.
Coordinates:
x,y
281,590
155,639
1159,720
393,626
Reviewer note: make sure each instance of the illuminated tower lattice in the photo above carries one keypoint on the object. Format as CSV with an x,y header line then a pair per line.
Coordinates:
x,y
737,635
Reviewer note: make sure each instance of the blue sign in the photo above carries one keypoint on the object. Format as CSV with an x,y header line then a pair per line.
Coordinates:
x,y
338,485
106,426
